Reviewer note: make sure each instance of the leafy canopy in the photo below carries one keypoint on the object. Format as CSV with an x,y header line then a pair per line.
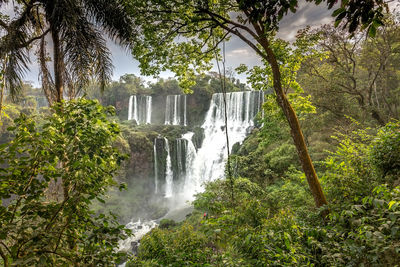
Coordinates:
x,y
183,35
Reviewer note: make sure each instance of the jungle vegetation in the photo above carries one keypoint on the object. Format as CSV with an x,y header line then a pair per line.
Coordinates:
x,y
334,112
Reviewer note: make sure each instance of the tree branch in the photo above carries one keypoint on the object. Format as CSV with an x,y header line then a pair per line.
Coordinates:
x,y
27,43
215,18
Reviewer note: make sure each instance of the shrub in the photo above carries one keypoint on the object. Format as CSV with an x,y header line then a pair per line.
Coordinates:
x,y
385,152
48,180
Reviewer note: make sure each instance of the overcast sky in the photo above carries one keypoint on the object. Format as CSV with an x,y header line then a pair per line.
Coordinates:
x,y
237,52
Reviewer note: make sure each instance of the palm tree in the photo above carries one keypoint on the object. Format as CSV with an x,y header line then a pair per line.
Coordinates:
x,y
73,31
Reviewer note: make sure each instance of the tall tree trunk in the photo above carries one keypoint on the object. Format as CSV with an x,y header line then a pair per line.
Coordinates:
x,y
3,84
295,130
58,65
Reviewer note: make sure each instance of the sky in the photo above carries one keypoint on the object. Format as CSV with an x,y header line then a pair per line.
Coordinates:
x,y
237,52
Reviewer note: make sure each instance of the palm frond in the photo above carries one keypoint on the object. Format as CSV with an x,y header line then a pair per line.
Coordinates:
x,y
86,53
17,61
16,66
112,17
15,46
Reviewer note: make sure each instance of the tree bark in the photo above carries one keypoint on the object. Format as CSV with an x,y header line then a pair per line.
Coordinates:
x,y
58,65
295,129
2,88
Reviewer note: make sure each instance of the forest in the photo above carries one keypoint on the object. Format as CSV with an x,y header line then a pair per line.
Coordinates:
x,y
296,165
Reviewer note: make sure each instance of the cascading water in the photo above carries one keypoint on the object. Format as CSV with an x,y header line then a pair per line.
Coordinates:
x,y
130,108
179,158
175,110
191,155
169,176
209,163
188,169
155,166
140,109
140,229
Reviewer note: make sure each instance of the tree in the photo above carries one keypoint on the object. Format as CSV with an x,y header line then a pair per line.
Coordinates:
x,y
357,72
2,87
79,50
73,148
202,25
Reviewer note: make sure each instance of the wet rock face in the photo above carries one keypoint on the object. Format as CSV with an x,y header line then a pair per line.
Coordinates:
x,y
141,155
141,164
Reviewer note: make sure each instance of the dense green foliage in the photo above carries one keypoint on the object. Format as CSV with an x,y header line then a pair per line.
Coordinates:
x,y
277,225
57,164
49,177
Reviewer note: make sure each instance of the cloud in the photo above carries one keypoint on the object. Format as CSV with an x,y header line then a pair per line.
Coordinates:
x,y
238,52
308,14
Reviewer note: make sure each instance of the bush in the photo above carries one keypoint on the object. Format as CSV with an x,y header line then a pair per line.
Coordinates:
x,y
167,223
386,149
48,180
181,247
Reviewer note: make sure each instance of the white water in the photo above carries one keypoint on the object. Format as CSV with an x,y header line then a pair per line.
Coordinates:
x,y
209,163
175,110
169,176
155,166
191,155
130,107
139,229
140,109
194,168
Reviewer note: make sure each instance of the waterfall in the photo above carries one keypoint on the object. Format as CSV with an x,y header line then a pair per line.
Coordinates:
x,y
135,110
175,110
187,169
155,166
191,154
209,163
148,113
168,172
180,158
130,107
140,108
139,229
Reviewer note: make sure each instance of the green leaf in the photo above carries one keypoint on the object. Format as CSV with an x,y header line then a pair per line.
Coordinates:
x,y
391,203
372,31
